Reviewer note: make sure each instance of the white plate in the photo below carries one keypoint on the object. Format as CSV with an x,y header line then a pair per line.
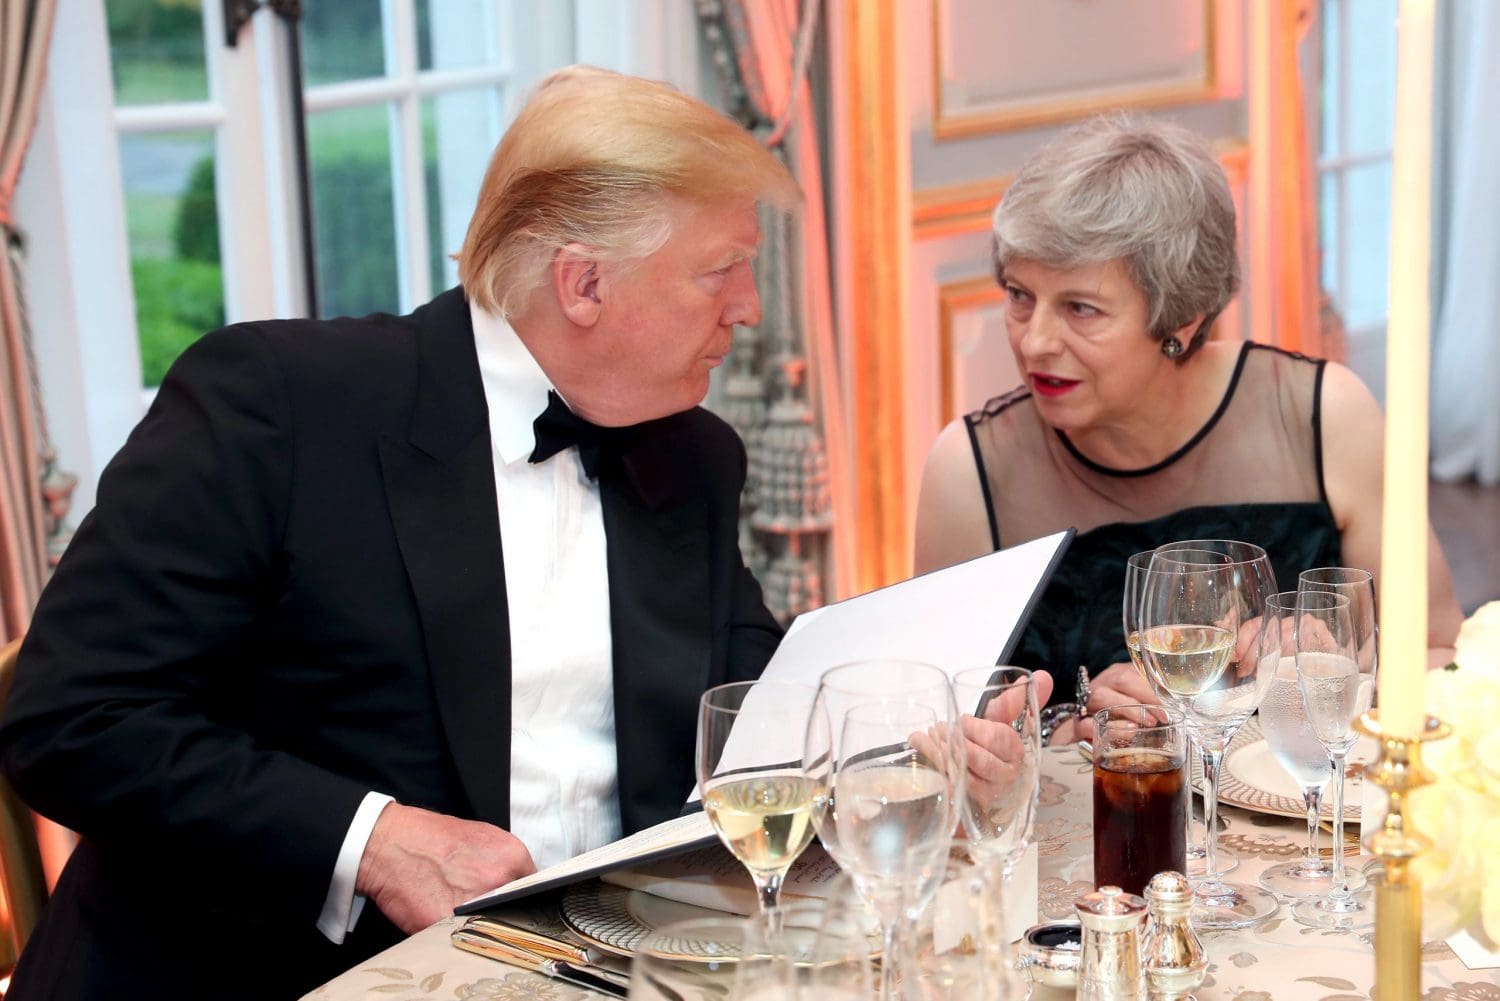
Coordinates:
x,y
1252,778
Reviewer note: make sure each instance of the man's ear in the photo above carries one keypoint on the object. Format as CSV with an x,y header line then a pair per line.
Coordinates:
x,y
575,282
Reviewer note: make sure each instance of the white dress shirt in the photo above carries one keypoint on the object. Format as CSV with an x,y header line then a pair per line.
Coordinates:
x,y
564,797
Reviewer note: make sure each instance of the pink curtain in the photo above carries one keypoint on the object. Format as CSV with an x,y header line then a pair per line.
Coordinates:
x,y
770,36
25,31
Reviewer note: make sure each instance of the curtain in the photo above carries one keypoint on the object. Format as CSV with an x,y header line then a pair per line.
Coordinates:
x,y
1466,245
1283,218
772,43
25,31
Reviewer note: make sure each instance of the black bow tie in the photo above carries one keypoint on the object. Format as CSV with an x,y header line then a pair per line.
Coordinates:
x,y
558,428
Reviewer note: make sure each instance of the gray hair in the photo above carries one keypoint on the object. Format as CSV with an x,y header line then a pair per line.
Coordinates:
x,y
1147,193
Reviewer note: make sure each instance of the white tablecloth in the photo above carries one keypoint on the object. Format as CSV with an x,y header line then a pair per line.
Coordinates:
x,y
1277,961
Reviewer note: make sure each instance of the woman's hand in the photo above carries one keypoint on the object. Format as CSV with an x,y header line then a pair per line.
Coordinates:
x,y
1116,685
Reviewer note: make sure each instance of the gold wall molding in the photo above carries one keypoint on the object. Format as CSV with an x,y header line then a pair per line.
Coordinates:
x,y
950,123
954,298
956,208
879,203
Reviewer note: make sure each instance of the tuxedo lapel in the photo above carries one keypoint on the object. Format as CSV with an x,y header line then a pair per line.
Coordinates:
x,y
440,482
661,620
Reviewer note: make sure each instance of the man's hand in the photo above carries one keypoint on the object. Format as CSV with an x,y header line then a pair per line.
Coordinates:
x,y
419,865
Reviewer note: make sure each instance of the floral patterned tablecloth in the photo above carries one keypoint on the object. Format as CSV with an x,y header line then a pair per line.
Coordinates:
x,y
1277,961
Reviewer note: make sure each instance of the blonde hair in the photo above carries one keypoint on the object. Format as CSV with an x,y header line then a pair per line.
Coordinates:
x,y
592,159
1146,192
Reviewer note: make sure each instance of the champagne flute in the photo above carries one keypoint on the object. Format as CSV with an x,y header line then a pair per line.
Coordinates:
x,y
1135,582
755,791
1203,606
1359,587
1336,688
893,785
1290,737
1003,755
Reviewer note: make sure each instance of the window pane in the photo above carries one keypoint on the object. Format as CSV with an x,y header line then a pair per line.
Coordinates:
x,y
1332,100
459,131
172,219
349,157
454,33
342,40
156,50
1368,237
1328,235
1371,56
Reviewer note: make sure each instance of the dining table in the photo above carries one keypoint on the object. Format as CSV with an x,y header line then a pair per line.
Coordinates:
x,y
1278,960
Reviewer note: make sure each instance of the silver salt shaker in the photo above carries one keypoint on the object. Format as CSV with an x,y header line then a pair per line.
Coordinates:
x,y
1111,964
1174,958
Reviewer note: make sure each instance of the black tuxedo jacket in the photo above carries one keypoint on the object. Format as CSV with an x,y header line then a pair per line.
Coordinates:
x,y
290,592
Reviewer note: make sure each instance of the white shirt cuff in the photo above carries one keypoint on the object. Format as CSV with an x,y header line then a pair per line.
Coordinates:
x,y
342,906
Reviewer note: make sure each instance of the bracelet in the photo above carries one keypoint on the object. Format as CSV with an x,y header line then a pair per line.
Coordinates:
x,y
1054,716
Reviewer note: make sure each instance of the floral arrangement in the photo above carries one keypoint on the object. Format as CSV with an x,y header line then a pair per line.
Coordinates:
x,y
1461,811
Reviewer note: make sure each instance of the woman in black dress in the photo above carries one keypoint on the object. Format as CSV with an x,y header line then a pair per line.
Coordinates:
x,y
1115,246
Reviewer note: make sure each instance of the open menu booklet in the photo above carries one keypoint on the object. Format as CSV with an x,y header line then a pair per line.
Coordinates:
x,y
963,616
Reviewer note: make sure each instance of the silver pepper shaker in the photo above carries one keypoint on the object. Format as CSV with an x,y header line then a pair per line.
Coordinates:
x,y
1111,965
1174,958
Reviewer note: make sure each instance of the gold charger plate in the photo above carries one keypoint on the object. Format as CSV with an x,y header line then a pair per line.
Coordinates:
x,y
616,920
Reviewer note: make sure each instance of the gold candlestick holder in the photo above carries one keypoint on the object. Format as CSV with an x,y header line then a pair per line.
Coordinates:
x,y
1398,894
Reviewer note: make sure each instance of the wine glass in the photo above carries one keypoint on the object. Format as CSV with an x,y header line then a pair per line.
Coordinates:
x,y
1336,688
878,680
1135,581
1203,605
1003,738
848,685
755,791
832,944
892,781
1290,737
707,959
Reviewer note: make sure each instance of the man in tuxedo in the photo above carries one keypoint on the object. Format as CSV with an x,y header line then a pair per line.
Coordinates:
x,y
375,615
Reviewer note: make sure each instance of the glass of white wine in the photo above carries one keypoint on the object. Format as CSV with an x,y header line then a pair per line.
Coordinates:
x,y
1202,609
1337,686
755,791
1135,583
892,780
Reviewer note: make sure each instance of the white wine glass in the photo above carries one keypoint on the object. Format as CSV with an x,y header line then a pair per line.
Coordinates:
x,y
1294,745
755,792
1003,749
892,781
1135,582
1336,688
1204,602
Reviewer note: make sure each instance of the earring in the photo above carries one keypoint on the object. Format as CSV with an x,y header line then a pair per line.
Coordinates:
x,y
1171,347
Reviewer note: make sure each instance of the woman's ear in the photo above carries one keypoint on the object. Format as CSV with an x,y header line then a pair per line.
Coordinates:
x,y
575,282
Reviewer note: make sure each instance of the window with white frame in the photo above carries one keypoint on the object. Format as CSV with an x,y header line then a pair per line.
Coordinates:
x,y
1356,120
405,100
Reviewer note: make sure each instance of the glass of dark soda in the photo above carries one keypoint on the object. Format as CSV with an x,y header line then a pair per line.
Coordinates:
x,y
1140,795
